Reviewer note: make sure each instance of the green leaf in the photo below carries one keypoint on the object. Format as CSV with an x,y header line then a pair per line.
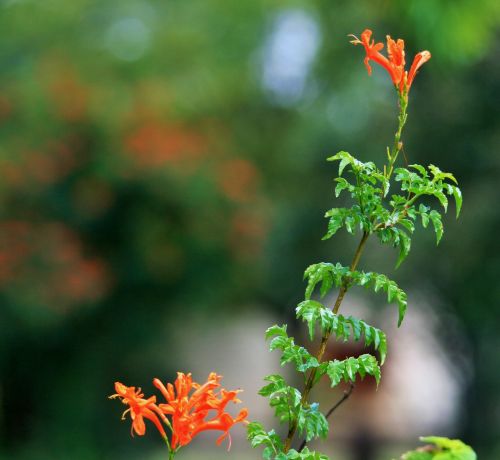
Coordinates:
x,y
372,335
258,436
404,247
325,273
379,282
425,219
305,454
438,225
345,158
312,422
284,399
370,366
420,169
408,224
314,312
276,330
457,194
343,163
442,199
335,371
347,369
341,185
336,221
440,175
291,353
351,368
402,305
441,449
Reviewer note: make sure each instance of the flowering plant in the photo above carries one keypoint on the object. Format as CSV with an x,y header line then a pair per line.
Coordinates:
x,y
190,414
391,218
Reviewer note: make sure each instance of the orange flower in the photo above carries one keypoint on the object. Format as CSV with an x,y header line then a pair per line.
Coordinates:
x,y
139,409
202,410
395,62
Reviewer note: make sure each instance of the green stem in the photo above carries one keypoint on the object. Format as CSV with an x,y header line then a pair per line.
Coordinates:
x,y
398,145
171,452
324,341
388,170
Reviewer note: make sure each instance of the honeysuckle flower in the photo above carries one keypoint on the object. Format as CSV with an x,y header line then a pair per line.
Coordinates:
x,y
139,409
203,410
395,62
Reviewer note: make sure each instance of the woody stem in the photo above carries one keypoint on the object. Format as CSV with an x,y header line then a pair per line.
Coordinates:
x,y
311,380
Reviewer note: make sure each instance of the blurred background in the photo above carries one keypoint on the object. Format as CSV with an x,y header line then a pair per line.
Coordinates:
x,y
162,189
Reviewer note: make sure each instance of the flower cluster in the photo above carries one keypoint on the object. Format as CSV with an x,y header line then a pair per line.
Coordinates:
x,y
395,62
192,408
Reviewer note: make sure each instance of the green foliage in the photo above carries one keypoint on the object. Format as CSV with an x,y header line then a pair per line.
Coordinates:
x,y
305,454
441,449
329,275
348,369
284,399
258,436
312,422
287,404
394,224
369,187
393,220
326,273
291,352
315,313
418,182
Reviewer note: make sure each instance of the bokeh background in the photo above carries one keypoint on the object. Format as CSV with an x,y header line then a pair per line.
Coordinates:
x,y
162,188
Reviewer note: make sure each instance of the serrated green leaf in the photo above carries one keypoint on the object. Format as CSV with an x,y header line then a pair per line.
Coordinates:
x,y
457,194
342,184
420,169
347,369
351,368
404,247
402,305
276,330
380,282
438,225
441,449
442,199
343,163
425,219
370,366
314,312
305,454
356,326
392,290
335,371
312,422
325,273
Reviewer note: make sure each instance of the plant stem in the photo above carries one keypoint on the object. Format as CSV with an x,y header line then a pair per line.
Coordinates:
x,y
324,340
397,147
344,398
171,452
388,170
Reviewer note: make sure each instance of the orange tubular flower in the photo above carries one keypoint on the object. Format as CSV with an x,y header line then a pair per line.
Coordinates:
x,y
139,409
202,410
395,62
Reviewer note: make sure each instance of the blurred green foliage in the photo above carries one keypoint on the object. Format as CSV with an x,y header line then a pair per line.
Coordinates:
x,y
164,156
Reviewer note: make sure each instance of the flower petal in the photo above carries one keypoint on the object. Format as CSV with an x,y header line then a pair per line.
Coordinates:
x,y
419,60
